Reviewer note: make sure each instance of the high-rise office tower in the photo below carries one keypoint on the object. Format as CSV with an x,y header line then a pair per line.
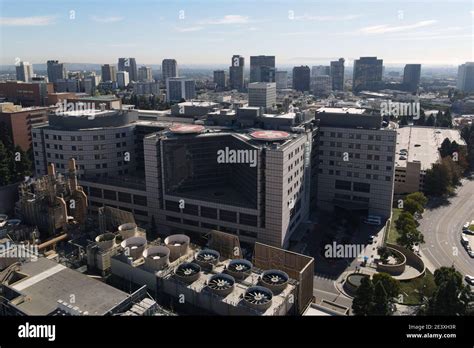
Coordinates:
x,y
301,78
129,65
145,74
411,77
24,72
356,161
56,71
465,81
319,70
367,74
262,69
262,94
321,85
178,88
281,79
109,73
123,79
169,68
337,74
236,73
220,79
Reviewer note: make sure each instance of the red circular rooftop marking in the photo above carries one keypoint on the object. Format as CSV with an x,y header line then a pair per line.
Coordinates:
x,y
186,128
269,135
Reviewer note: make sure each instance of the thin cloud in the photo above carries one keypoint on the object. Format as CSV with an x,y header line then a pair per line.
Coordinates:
x,y
111,19
228,19
326,18
189,29
384,28
26,21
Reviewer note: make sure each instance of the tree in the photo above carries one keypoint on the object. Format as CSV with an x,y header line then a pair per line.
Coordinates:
x,y
445,149
376,296
384,253
362,303
410,236
451,296
430,121
437,180
390,284
412,206
418,197
405,219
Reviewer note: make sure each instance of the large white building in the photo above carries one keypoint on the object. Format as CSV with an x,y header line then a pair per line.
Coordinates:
x,y
24,72
262,94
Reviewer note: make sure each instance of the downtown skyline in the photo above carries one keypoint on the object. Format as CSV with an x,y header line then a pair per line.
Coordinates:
x,y
201,33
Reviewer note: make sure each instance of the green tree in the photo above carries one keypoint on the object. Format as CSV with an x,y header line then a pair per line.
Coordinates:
x,y
412,206
451,296
437,180
405,219
362,303
418,197
390,284
410,236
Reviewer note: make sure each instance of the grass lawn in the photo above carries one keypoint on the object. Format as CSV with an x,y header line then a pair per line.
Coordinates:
x,y
411,289
471,228
393,233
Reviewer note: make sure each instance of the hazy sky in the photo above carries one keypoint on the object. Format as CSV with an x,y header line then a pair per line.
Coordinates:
x,y
210,32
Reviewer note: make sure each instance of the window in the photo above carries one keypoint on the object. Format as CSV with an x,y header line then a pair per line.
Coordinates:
x,y
361,187
110,195
343,185
210,213
125,197
229,216
247,219
140,200
371,137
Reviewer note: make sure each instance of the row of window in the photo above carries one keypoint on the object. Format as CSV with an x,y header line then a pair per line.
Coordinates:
x,y
211,226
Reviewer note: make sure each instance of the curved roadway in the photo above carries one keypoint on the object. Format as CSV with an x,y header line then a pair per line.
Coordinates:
x,y
442,228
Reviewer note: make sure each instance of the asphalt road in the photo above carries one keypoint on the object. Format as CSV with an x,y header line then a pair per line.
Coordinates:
x,y
442,227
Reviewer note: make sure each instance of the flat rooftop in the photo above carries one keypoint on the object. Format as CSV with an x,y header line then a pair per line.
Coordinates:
x,y
47,281
343,110
422,143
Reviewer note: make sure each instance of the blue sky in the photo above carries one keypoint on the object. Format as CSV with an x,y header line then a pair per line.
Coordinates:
x,y
210,32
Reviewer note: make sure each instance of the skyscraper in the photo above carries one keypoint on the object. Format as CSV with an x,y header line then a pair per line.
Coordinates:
x,y
109,73
319,70
56,71
337,74
262,94
411,77
466,77
236,73
301,78
24,72
123,79
178,88
367,74
129,65
145,74
169,68
262,69
281,79
219,79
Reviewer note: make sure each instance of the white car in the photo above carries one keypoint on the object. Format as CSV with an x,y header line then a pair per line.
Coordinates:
x,y
465,227
469,279
471,253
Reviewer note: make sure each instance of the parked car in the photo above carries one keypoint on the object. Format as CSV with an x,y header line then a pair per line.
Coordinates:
x,y
469,279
